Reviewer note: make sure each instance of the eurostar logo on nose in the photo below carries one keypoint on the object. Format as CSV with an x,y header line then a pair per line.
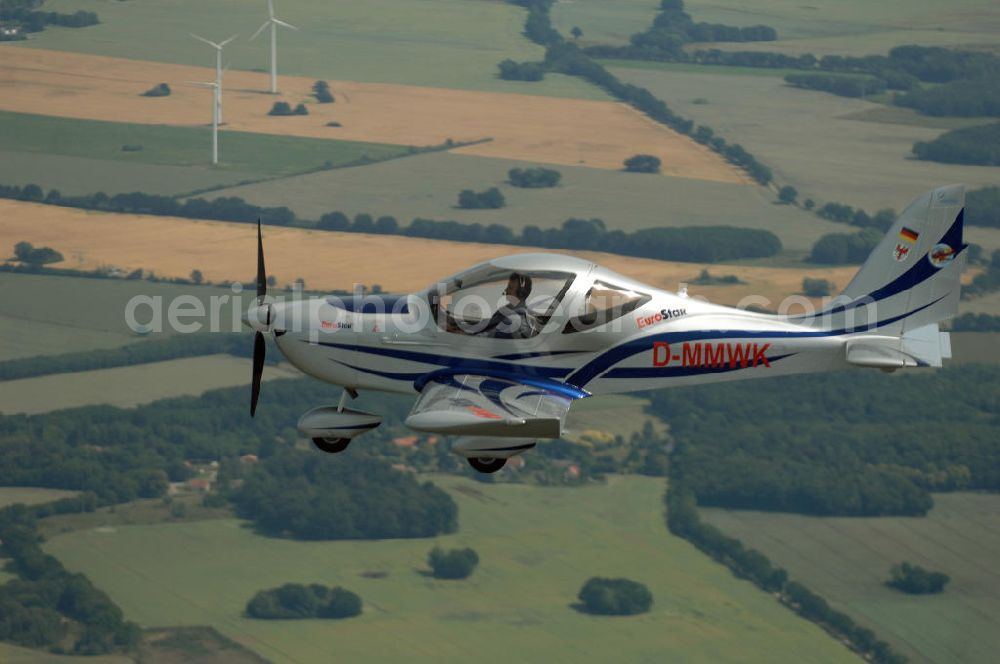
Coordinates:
x,y
659,317
705,355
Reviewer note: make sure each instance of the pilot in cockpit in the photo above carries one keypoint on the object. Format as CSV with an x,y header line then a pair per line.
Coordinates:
x,y
513,320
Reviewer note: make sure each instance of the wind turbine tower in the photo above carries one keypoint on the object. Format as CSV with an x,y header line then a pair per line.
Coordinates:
x,y
273,23
216,87
218,68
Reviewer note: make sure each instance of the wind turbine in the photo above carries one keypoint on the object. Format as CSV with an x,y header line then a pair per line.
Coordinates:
x,y
216,86
273,23
218,65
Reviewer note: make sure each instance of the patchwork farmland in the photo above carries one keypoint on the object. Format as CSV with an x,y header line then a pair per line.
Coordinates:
x,y
224,252
537,546
847,561
600,134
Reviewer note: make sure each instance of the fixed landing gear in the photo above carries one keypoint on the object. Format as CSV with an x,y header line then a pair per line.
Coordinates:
x,y
331,445
487,464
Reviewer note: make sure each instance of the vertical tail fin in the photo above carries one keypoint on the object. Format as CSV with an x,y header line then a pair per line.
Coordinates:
x,y
912,278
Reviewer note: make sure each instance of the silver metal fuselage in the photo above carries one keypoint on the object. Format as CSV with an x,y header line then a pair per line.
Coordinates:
x,y
386,343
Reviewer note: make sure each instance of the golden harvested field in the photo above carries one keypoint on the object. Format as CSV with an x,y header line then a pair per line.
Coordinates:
x,y
223,251
599,134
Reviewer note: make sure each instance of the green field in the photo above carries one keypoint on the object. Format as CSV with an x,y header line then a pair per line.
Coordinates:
x,y
816,146
126,387
10,495
428,186
847,560
250,154
49,315
537,546
604,22
855,27
443,43
74,176
10,654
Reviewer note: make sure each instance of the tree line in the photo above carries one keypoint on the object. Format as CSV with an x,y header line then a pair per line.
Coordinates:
x,y
970,322
142,352
684,521
963,83
694,243
878,445
39,607
289,494
977,146
23,14
844,86
567,58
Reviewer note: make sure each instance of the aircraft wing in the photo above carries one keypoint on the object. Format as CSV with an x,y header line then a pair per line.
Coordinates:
x,y
481,405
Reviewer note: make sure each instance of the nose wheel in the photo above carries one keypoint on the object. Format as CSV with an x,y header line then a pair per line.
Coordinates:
x,y
331,445
487,464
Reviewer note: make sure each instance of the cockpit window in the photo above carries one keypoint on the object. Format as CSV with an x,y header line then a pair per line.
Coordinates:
x,y
499,303
605,302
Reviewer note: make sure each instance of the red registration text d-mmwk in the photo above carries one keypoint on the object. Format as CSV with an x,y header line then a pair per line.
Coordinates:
x,y
700,354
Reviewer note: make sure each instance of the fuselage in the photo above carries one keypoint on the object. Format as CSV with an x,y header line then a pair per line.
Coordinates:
x,y
387,343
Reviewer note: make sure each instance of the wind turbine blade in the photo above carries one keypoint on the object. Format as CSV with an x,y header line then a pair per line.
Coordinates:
x,y
270,8
287,25
202,39
261,29
221,44
200,84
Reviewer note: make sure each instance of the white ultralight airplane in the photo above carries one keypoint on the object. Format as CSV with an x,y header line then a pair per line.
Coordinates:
x,y
498,353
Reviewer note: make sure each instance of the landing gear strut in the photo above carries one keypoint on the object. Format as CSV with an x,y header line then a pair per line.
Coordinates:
x,y
331,445
487,464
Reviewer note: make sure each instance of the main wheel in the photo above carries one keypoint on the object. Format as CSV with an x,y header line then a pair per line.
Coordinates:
x,y
487,464
331,445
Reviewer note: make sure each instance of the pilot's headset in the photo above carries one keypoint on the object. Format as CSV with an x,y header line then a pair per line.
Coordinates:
x,y
523,286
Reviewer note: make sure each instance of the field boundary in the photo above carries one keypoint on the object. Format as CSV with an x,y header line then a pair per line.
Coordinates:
x,y
413,152
684,521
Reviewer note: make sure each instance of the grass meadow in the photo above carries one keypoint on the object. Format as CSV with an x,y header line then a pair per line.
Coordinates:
x,y
855,27
126,387
817,146
847,561
49,315
428,185
537,546
251,154
440,43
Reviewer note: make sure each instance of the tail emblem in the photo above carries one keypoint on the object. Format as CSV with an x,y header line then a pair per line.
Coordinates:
x,y
941,255
901,252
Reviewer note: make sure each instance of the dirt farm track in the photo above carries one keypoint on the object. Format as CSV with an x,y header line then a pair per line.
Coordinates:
x,y
599,134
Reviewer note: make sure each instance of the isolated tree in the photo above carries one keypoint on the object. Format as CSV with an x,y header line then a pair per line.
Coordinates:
x,y
301,110
788,194
280,108
615,597
196,277
159,90
813,287
916,580
642,163
576,32
453,564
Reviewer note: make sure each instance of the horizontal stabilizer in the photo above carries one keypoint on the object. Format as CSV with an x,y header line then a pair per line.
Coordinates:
x,y
926,346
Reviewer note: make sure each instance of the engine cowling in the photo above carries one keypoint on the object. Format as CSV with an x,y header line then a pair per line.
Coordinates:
x,y
328,422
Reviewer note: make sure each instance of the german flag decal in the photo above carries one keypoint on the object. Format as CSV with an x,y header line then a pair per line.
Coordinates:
x,y
908,235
